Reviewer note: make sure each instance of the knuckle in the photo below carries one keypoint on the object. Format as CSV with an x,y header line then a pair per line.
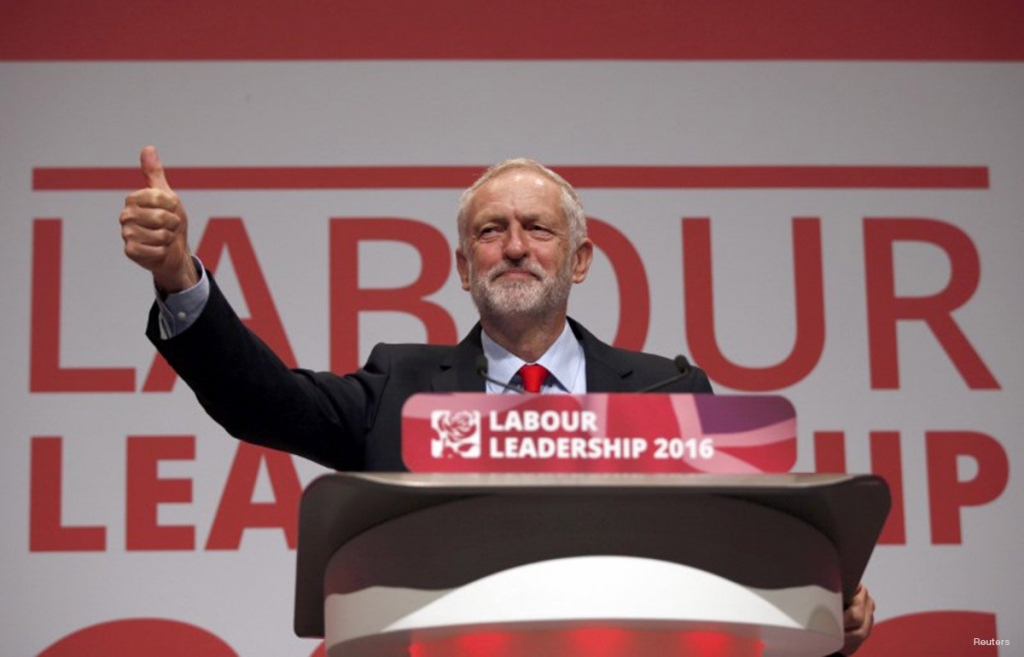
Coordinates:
x,y
166,200
164,237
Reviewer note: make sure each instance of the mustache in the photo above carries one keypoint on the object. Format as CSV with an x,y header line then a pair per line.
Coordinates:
x,y
531,268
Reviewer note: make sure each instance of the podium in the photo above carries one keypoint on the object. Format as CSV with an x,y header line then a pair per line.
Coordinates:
x,y
590,564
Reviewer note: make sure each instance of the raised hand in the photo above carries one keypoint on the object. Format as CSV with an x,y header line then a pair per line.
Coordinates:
x,y
154,228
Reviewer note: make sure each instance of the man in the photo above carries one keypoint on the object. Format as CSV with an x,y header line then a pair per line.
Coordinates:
x,y
522,245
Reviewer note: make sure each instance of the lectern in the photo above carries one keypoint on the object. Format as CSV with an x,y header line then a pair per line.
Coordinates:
x,y
583,564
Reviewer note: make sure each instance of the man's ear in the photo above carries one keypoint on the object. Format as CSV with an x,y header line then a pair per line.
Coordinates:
x,y
463,266
581,260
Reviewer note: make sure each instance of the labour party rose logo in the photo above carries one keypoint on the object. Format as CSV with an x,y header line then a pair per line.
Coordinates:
x,y
456,434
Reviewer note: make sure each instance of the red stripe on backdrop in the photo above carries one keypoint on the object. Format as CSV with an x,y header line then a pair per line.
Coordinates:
x,y
601,177
960,30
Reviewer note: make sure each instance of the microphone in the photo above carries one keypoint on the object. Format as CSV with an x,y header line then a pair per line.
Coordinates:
x,y
681,364
481,369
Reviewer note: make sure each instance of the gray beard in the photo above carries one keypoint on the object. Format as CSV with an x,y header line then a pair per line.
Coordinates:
x,y
531,298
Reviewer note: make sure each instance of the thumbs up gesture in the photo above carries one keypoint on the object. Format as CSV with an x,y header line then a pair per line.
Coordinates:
x,y
154,228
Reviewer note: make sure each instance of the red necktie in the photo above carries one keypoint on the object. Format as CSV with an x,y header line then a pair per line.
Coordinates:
x,y
533,377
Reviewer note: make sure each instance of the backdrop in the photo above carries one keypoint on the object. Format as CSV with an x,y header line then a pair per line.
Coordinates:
x,y
816,199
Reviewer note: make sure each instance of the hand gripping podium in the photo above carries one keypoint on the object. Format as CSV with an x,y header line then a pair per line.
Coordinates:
x,y
531,565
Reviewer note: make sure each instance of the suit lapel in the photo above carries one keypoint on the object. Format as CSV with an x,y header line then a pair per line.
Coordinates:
x,y
606,371
458,368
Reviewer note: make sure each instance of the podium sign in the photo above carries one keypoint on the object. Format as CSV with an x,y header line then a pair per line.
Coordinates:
x,y
641,433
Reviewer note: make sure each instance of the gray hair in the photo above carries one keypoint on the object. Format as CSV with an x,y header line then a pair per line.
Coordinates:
x,y
572,209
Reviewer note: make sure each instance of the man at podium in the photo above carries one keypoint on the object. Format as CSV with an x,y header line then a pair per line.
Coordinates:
x,y
522,246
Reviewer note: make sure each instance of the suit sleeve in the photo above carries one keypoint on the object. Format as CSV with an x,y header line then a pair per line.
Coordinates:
x,y
248,390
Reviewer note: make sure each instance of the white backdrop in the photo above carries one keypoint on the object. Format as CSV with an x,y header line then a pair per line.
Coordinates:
x,y
957,551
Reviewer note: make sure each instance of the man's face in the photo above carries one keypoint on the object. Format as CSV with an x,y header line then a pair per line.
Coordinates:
x,y
515,258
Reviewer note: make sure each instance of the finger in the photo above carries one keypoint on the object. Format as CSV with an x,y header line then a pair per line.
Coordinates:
x,y
150,237
148,252
859,609
859,596
144,254
151,197
853,618
152,218
153,169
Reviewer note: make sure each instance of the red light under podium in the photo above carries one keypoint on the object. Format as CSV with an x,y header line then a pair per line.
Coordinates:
x,y
589,641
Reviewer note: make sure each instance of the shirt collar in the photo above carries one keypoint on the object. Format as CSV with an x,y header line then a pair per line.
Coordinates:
x,y
563,360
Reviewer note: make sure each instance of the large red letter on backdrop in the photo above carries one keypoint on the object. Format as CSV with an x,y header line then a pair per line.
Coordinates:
x,y
237,512
348,299
229,234
634,292
700,310
134,637
46,373
46,531
947,493
885,309
145,490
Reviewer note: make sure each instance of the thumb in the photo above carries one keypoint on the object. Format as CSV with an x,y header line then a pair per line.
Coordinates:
x,y
153,169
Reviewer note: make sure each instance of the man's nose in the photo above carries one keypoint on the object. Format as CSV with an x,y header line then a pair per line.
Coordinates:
x,y
515,243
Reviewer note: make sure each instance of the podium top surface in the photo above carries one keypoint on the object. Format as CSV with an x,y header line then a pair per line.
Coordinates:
x,y
849,510
500,482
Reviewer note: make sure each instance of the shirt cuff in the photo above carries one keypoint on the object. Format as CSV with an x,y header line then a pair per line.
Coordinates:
x,y
179,310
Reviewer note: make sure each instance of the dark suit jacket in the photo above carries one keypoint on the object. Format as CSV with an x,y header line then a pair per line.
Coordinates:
x,y
353,422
